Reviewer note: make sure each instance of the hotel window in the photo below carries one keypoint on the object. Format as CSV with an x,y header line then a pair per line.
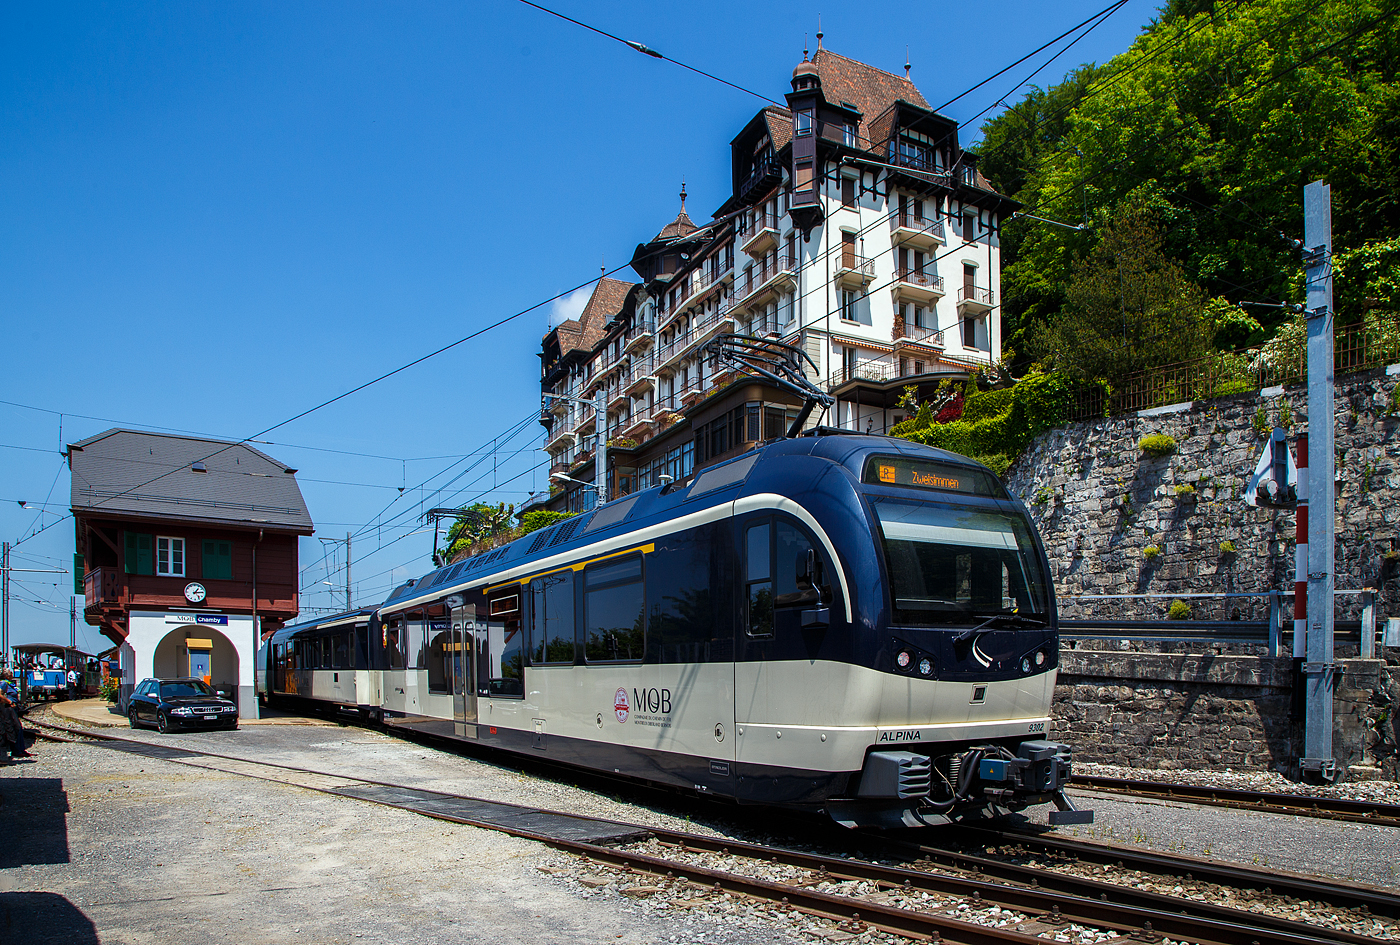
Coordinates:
x,y
170,556
849,297
849,137
848,191
802,123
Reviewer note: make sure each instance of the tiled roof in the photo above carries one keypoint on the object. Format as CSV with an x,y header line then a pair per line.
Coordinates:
x,y
603,305
779,122
870,90
134,473
680,226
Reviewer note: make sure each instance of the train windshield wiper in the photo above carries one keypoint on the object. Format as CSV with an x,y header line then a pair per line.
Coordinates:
x,y
1020,620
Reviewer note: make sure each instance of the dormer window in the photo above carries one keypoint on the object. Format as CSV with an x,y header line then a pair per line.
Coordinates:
x,y
802,123
198,467
849,136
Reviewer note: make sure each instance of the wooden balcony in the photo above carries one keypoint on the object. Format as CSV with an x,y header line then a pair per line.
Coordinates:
x,y
102,589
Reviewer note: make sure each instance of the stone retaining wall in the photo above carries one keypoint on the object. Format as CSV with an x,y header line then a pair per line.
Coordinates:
x,y
1100,504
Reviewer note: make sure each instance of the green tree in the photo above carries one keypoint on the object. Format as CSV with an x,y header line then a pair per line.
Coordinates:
x,y
1128,307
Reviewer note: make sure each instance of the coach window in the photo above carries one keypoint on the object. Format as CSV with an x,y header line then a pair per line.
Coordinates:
x,y
415,649
615,609
361,654
393,641
505,650
758,578
342,650
552,618
443,647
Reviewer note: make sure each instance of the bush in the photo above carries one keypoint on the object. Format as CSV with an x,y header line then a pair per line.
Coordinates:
x,y
1227,547
540,518
1157,444
1179,610
109,688
989,404
1151,551
1184,491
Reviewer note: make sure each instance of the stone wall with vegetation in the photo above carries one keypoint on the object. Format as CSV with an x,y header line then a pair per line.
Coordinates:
x,y
1117,518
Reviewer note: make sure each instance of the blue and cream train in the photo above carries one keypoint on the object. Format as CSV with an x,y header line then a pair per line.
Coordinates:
x,y
850,623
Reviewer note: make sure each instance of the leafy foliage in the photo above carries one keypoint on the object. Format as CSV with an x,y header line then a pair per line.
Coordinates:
x,y
1179,610
1157,444
1215,118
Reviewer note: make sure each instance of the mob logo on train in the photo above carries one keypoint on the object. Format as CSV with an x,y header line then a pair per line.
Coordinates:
x,y
620,705
653,701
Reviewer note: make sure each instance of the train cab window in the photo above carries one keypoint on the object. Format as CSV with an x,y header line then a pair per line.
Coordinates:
x,y
793,586
393,641
443,647
503,659
758,578
552,618
614,610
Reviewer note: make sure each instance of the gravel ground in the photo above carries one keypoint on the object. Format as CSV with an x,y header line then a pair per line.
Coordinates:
x,y
1381,792
141,829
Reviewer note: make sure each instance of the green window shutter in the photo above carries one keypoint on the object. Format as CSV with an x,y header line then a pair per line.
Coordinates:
x,y
78,572
129,559
144,559
217,559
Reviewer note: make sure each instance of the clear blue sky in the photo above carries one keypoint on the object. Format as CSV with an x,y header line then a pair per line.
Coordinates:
x,y
219,215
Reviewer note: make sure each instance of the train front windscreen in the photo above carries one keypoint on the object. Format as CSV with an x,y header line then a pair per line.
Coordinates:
x,y
952,566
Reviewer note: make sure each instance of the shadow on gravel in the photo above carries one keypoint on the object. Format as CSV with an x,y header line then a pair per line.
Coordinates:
x,y
40,917
36,828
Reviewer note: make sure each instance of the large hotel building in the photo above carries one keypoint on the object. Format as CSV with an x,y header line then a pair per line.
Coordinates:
x,y
858,230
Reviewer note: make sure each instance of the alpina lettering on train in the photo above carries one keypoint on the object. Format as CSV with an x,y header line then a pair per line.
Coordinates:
x,y
906,735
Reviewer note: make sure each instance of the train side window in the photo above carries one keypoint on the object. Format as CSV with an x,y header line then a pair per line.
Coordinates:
x,y
792,553
615,610
552,618
505,650
342,651
393,641
415,648
443,647
758,578
361,654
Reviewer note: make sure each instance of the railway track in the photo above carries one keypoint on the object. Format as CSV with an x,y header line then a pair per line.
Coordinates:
x,y
1332,808
919,897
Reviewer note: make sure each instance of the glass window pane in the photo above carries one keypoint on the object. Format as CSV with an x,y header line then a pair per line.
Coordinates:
x,y
761,609
757,552
615,611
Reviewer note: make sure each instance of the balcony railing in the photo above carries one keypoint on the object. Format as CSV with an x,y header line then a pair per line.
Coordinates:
x,y
101,587
920,334
928,282
760,235
917,225
852,268
761,278
975,298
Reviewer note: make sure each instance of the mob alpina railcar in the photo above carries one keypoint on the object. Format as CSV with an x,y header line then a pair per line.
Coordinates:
x,y
851,623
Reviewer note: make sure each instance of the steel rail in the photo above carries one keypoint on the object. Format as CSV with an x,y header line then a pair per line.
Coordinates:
x,y
1306,805
1046,896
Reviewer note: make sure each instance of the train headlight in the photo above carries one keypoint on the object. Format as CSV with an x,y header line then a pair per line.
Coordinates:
x,y
926,667
1025,664
904,659
1040,657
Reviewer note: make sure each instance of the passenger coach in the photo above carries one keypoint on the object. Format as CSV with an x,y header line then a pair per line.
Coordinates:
x,y
853,623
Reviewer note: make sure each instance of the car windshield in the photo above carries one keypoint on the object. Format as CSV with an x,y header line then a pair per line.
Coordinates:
x,y
953,567
183,690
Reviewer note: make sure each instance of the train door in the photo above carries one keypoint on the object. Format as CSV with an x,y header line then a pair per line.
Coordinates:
x,y
462,665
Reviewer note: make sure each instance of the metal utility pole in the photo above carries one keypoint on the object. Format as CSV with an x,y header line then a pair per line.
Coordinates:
x,y
5,603
73,622
348,605
1319,666
600,455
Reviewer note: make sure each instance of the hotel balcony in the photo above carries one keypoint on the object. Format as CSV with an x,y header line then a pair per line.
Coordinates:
x,y
712,323
559,440
640,379
909,230
692,395
669,355
758,284
855,270
639,423
642,337
760,236
914,286
975,300
911,334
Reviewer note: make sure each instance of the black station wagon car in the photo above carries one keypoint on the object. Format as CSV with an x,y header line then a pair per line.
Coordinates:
x,y
180,703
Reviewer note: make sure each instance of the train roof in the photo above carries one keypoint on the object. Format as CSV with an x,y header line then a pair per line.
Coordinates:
x,y
721,482
302,626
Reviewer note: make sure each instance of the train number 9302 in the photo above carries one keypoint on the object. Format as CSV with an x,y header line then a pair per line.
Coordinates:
x,y
1036,727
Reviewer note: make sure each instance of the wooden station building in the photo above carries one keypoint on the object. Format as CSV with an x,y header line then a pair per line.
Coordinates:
x,y
189,553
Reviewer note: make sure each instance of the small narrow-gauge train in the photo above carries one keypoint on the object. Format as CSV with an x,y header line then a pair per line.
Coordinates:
x,y
851,623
